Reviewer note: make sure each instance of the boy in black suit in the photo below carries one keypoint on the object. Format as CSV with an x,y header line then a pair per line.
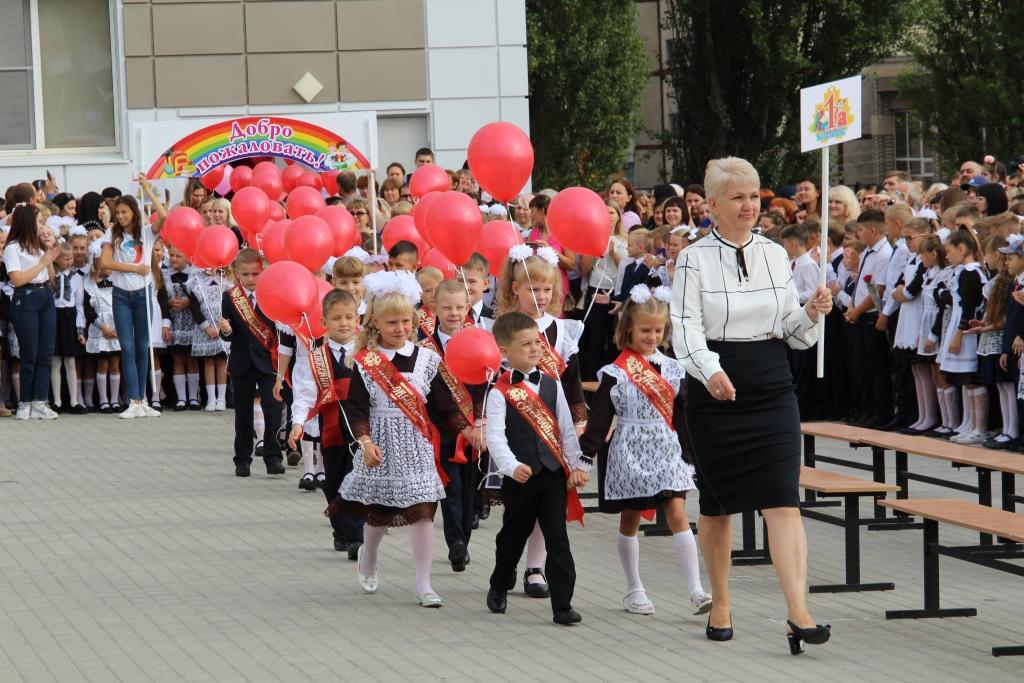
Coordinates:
x,y
252,363
636,268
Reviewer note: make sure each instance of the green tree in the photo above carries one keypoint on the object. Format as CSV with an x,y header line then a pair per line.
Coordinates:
x,y
587,69
736,68
968,89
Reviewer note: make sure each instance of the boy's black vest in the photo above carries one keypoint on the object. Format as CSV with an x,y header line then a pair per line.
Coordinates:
x,y
523,440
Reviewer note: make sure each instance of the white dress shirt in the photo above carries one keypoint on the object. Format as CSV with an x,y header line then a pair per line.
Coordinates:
x,y
836,274
807,277
18,260
603,274
874,262
712,299
304,390
897,265
502,456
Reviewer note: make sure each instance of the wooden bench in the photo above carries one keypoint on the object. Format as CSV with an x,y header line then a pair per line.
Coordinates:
x,y
966,515
851,490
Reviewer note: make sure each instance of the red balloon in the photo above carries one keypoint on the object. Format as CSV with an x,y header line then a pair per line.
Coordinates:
x,y
285,291
268,181
330,182
290,177
473,356
315,314
266,167
309,179
304,201
309,242
500,156
419,211
240,177
212,178
216,247
498,238
429,178
454,224
272,241
181,229
438,260
251,208
276,211
578,218
403,228
342,225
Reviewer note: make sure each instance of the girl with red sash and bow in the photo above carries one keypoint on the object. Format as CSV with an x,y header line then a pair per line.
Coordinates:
x,y
644,468
398,480
532,284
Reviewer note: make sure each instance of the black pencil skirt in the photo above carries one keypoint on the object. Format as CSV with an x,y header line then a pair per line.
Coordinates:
x,y
747,451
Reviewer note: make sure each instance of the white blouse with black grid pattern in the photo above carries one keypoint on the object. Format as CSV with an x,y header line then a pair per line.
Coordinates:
x,y
725,293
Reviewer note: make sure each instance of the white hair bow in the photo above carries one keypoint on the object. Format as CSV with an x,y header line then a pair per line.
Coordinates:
x,y
640,294
393,282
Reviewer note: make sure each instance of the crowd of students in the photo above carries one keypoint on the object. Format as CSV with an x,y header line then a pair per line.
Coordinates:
x,y
925,336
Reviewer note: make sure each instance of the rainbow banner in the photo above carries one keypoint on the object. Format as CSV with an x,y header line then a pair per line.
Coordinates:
x,y
257,136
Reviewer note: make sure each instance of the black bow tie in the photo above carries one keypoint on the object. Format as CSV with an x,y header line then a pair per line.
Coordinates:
x,y
104,284
78,271
531,377
179,278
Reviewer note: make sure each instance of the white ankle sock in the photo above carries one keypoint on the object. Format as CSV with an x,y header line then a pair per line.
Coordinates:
x,y
421,538
101,386
115,388
193,385
536,553
629,556
179,388
686,552
211,394
373,536
222,392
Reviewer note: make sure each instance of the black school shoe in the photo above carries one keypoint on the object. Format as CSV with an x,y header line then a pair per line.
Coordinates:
x,y
340,544
353,550
567,617
497,601
535,590
457,556
242,469
275,466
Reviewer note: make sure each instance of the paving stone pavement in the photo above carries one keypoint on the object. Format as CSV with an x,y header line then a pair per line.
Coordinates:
x,y
129,551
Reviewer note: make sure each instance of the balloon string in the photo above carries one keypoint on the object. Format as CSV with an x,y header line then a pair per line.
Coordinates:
x,y
462,271
593,299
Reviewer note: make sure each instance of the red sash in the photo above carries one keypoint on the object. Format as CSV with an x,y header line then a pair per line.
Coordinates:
x,y
404,395
258,328
428,324
543,422
550,363
462,399
652,385
329,391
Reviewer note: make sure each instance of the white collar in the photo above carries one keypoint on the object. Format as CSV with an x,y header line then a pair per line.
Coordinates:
x,y
478,309
406,350
836,252
805,257
335,346
445,338
655,357
248,292
876,246
545,321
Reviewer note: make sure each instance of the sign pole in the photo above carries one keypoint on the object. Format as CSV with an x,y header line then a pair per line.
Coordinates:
x,y
823,253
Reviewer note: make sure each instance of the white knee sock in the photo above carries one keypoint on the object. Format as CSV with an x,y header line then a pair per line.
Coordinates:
x,y
88,386
222,392
101,386
536,553
629,556
307,456
918,394
72,374
980,396
193,385
952,412
115,388
421,538
179,388
372,538
79,397
55,364
967,423
318,459
930,400
1008,407
257,421
686,552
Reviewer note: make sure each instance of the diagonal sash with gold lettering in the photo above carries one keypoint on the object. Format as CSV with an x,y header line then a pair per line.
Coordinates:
x,y
651,384
461,396
428,323
544,424
258,328
329,391
550,363
404,395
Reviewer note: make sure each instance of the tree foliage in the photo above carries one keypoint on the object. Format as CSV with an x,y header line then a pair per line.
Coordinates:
x,y
587,70
737,66
968,89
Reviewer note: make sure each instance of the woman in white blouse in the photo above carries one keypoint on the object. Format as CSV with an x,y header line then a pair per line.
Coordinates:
x,y
28,256
734,310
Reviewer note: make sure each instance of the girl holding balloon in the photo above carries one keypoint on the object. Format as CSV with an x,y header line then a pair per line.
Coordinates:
x,y
208,289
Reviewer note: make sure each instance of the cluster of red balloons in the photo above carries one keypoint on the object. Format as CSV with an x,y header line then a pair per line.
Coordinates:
x,y
213,246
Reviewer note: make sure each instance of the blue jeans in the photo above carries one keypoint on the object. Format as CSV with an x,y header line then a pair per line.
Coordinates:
x,y
35,323
132,325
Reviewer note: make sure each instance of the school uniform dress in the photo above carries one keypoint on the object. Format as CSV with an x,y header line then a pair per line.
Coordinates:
x,y
1014,327
68,295
98,305
936,312
645,463
183,324
990,346
735,309
405,487
965,299
207,292
908,327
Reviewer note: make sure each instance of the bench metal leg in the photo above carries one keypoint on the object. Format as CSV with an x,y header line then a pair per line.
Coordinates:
x,y
1008,651
809,454
750,554
878,470
851,531
985,498
1008,492
931,583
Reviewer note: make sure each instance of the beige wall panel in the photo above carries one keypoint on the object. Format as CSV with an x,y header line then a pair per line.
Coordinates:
x,y
373,75
271,77
139,82
290,26
138,31
381,24
200,81
191,29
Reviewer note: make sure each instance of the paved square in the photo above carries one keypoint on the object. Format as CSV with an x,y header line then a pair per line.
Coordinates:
x,y
129,551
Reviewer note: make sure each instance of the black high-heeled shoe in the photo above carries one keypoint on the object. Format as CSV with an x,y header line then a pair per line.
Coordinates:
x,y
815,636
719,634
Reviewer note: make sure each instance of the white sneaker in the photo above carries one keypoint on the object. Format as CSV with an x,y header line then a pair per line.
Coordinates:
x,y
220,405
972,439
701,601
131,412
24,411
637,602
430,600
148,411
211,406
41,411
369,583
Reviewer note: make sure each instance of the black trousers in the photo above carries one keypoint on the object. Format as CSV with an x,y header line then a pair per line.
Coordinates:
x,y
244,387
457,508
856,367
904,391
837,355
876,349
337,465
540,499
596,347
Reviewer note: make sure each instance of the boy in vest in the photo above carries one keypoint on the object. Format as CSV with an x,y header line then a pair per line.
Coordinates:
x,y
533,443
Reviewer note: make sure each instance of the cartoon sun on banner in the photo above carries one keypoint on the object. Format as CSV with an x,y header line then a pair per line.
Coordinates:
x,y
257,136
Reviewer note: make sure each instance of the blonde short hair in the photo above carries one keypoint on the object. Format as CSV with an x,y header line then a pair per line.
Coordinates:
x,y
845,196
721,173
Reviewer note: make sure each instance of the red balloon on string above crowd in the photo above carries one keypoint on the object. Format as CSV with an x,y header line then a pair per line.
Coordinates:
x,y
578,218
181,229
500,155
216,247
429,178
454,225
285,291
403,228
